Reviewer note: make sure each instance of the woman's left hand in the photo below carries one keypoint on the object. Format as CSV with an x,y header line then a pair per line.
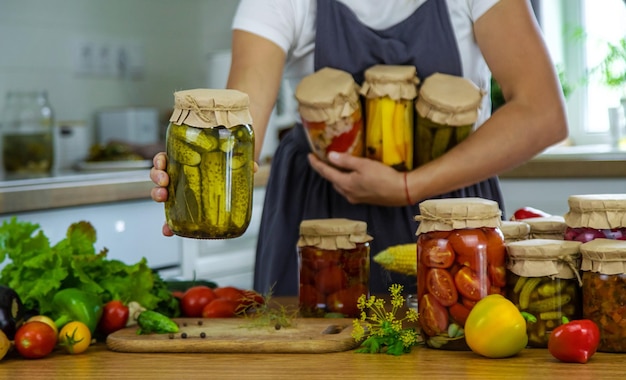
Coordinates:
x,y
361,180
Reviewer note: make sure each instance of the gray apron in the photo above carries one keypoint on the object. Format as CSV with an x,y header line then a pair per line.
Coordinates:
x,y
296,192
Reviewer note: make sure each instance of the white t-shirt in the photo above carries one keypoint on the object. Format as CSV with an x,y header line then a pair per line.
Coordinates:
x,y
291,25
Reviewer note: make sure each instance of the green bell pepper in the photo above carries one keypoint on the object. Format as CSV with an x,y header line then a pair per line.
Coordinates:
x,y
72,304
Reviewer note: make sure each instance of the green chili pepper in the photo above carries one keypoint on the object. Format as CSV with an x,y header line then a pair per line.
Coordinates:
x,y
72,304
154,322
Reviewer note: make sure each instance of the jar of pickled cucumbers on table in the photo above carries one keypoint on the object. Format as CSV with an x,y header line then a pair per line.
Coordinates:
x,y
447,109
460,259
334,267
330,109
390,92
544,282
210,149
594,216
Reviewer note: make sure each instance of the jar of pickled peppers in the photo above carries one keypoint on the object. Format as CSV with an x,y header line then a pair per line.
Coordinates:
x,y
210,149
544,281
604,290
334,267
390,91
330,109
460,259
546,227
596,216
447,109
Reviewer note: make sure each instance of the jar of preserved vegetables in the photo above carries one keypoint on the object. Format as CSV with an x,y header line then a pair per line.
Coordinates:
x,y
447,109
334,266
514,230
210,149
460,259
390,92
544,281
596,216
604,290
546,227
330,109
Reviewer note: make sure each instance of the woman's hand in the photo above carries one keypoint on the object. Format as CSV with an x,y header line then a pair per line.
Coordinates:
x,y
361,180
159,176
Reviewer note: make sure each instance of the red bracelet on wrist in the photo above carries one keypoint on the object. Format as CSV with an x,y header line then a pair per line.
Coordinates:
x,y
406,190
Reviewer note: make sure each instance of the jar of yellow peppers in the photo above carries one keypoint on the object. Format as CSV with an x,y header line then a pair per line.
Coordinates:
x,y
390,92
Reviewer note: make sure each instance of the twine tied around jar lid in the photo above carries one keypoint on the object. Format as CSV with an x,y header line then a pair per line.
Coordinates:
x,y
209,108
457,213
545,257
604,256
333,233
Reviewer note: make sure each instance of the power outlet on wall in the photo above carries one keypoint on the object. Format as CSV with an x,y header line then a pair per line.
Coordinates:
x,y
108,58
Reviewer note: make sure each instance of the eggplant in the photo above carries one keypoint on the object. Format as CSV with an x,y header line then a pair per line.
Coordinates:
x,y
12,311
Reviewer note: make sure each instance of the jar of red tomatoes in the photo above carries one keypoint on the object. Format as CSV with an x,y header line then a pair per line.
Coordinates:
x,y
334,267
460,259
330,109
544,281
604,290
596,216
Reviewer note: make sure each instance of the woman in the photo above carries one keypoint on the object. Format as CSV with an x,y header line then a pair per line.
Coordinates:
x,y
474,39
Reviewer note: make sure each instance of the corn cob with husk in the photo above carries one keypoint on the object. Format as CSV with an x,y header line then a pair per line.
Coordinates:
x,y
400,258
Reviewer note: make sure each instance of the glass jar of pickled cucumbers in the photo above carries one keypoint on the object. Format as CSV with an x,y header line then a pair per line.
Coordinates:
x,y
596,216
447,109
210,149
543,277
390,92
330,109
334,267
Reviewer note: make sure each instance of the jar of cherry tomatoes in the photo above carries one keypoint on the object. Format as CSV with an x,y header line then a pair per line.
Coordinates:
x,y
334,267
546,227
544,281
330,109
604,290
460,260
596,216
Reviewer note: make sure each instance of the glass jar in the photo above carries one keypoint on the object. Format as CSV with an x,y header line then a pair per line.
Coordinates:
x,y
210,149
330,109
596,216
389,93
514,230
543,280
546,227
27,134
604,290
447,108
460,260
334,267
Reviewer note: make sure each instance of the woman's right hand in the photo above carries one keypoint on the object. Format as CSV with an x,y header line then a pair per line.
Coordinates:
x,y
159,176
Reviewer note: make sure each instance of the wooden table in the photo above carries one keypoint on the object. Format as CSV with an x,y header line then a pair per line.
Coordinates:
x,y
100,363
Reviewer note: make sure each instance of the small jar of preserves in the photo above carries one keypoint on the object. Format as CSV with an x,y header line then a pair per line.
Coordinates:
x,y
210,149
330,109
604,290
514,230
546,227
334,267
390,92
596,216
460,259
544,280
447,109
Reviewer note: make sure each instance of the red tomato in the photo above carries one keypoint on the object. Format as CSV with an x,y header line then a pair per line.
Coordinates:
x,y
435,235
331,279
114,317
34,340
469,245
345,140
307,275
252,298
496,250
318,259
436,253
459,313
344,301
441,286
469,285
309,297
355,264
195,299
497,275
433,317
220,308
230,292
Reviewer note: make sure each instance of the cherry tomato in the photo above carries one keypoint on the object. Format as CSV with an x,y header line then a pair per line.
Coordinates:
x,y
114,317
469,285
230,292
195,299
436,253
440,285
45,319
469,245
459,313
252,299
310,297
331,279
344,301
497,275
318,259
496,250
75,337
34,340
220,308
433,317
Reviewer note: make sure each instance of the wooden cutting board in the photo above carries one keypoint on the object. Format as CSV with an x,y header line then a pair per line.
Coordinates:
x,y
238,335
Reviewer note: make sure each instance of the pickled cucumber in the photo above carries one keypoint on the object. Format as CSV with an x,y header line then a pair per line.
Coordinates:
x,y
441,141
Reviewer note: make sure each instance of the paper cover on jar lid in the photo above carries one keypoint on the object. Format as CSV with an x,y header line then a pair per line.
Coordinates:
x,y
544,257
456,213
394,81
333,233
596,211
605,256
208,108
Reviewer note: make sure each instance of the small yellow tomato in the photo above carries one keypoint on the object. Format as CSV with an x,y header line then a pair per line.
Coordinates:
x,y
75,337
45,319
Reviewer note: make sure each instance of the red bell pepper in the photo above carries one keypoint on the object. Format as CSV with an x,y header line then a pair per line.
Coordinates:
x,y
574,341
528,212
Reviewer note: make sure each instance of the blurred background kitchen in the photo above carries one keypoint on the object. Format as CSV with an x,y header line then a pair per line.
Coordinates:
x,y
109,68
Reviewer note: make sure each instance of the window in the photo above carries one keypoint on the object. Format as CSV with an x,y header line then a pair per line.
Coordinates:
x,y
578,33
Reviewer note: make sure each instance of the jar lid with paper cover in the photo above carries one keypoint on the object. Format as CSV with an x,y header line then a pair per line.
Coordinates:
x,y
546,227
594,216
514,230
